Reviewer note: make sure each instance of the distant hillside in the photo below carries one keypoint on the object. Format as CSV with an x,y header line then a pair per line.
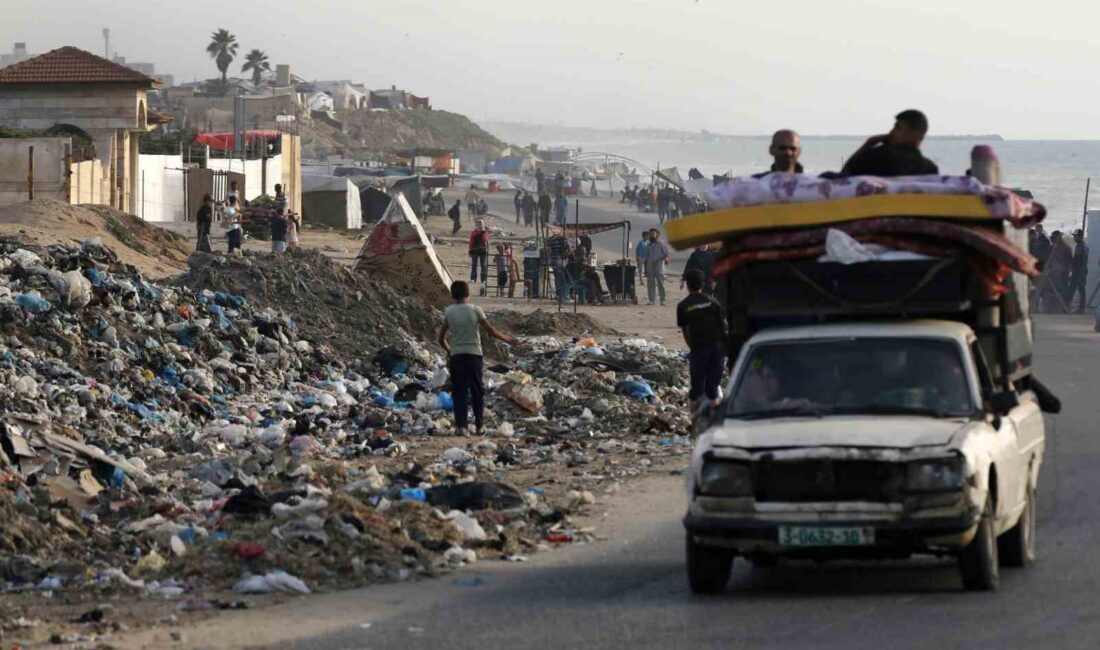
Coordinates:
x,y
365,132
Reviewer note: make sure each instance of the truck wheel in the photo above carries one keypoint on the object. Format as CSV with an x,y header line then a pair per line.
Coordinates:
x,y
978,561
708,568
1016,547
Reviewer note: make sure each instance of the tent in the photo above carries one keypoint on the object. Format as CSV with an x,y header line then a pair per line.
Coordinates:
x,y
671,175
399,251
331,201
373,202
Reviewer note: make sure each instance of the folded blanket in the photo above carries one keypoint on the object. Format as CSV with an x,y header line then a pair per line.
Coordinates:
x,y
906,234
781,188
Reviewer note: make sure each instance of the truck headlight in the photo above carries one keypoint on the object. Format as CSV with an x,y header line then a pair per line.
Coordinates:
x,y
938,475
725,479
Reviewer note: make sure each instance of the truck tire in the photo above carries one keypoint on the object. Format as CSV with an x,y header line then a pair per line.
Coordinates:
x,y
978,564
1016,547
708,568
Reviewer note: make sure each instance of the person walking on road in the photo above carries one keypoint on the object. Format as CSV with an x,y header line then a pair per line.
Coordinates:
x,y
471,203
703,324
464,323
517,200
656,257
545,206
455,213
479,253
639,252
204,219
528,209
561,205
1079,272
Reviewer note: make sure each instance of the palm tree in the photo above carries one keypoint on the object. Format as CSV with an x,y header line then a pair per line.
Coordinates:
x,y
222,48
256,61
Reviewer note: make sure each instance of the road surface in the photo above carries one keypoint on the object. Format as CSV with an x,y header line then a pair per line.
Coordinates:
x,y
631,591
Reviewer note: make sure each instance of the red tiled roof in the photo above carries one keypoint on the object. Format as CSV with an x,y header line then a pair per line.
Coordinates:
x,y
71,65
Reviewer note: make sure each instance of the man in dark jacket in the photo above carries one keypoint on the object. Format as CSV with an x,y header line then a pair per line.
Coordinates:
x,y
528,209
896,153
545,206
702,260
204,219
455,213
1079,271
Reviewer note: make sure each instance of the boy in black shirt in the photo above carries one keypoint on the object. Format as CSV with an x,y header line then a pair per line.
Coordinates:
x,y
700,317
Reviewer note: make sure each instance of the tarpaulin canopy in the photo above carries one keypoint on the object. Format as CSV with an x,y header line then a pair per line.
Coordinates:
x,y
671,175
578,229
224,139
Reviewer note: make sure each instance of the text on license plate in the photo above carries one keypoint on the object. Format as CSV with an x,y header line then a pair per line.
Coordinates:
x,y
824,536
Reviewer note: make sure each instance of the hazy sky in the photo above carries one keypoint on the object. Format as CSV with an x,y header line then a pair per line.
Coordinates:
x,y
1024,70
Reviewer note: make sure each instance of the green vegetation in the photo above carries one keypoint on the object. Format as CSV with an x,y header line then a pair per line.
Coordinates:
x,y
257,62
223,49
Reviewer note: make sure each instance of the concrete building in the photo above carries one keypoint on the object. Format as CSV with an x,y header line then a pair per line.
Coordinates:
x,y
76,92
18,54
148,69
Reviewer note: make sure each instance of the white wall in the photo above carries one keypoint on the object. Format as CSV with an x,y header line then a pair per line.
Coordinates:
x,y
253,173
160,188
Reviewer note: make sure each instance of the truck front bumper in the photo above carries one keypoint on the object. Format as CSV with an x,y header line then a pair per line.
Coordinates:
x,y
894,535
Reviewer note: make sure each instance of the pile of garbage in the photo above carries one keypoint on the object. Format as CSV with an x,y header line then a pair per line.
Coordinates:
x,y
179,439
350,311
543,322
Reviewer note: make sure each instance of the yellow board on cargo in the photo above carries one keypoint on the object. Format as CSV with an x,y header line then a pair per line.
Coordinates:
x,y
715,226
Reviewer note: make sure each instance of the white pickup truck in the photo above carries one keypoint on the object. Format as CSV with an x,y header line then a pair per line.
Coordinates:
x,y
869,440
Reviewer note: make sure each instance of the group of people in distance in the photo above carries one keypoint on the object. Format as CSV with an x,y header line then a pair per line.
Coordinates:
x,y
1065,270
284,224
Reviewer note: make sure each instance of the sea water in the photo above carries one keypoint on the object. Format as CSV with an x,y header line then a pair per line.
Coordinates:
x,y
1054,171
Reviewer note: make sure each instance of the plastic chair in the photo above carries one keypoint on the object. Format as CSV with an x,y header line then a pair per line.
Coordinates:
x,y
566,284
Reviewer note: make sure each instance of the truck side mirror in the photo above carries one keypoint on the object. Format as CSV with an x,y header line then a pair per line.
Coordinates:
x,y
1002,403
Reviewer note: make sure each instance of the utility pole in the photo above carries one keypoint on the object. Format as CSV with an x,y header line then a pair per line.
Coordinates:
x,y
107,43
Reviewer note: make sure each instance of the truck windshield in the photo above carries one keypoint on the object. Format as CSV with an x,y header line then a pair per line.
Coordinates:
x,y
815,378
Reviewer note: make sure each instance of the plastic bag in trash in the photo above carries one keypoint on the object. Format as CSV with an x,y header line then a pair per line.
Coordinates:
x,y
636,389
269,582
33,302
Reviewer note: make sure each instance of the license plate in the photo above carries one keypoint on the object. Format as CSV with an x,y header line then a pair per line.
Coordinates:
x,y
822,536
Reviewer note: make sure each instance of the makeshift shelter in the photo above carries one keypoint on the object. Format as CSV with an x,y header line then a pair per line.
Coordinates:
x,y
331,201
671,175
373,203
399,251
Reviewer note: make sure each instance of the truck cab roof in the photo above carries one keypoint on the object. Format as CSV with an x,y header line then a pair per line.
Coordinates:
x,y
925,328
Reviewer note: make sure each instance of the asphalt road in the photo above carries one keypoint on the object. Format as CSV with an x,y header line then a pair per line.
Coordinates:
x,y
631,591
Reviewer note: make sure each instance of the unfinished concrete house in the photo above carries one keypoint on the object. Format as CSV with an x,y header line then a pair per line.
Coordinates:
x,y
99,103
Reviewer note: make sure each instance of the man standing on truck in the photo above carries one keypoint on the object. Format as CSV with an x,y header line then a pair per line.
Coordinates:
x,y
896,153
785,148
703,324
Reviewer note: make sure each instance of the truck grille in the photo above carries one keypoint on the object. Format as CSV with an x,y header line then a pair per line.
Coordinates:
x,y
828,480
